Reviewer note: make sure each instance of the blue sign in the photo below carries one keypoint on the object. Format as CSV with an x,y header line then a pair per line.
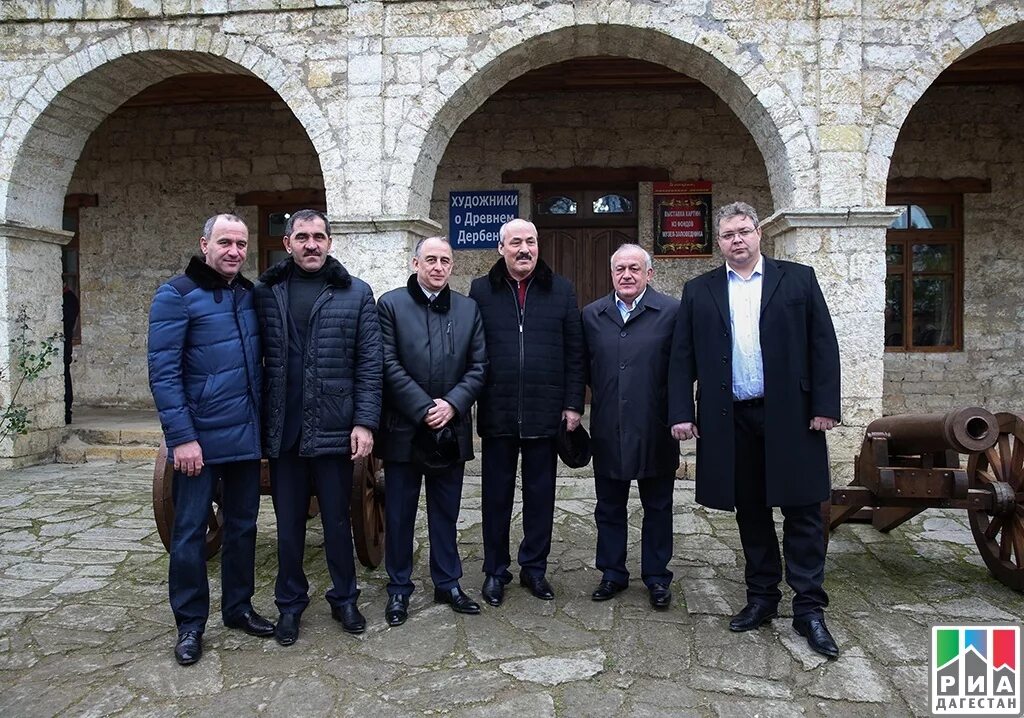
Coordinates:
x,y
474,218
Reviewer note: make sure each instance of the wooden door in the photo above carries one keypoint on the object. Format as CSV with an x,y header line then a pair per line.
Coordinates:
x,y
582,254
579,227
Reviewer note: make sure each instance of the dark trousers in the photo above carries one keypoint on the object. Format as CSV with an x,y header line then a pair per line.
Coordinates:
x,y
655,534
293,479
69,390
803,537
402,497
498,469
186,579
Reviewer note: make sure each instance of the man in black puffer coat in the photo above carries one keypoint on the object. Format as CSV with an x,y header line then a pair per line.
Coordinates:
x,y
322,393
535,379
434,367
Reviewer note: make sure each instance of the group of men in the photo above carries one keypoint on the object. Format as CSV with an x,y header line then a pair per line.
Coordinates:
x,y
305,369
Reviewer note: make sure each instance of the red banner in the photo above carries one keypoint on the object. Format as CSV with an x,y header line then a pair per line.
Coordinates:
x,y
682,219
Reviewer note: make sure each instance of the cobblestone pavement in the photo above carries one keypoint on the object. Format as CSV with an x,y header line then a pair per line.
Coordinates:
x,y
85,628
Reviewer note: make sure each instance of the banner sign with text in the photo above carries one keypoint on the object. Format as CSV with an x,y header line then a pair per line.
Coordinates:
x,y
474,218
682,219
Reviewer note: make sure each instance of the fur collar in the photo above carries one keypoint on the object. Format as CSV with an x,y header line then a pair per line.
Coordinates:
x,y
337,275
206,277
442,302
542,273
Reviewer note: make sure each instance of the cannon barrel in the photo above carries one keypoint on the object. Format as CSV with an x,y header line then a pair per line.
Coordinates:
x,y
965,431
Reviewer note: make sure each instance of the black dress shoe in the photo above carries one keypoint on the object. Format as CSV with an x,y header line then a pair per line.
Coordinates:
x,y
817,635
457,599
252,623
189,648
287,631
349,617
493,590
753,615
606,590
660,595
397,609
538,586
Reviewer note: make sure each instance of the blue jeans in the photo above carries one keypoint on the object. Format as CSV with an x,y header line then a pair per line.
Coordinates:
x,y
187,583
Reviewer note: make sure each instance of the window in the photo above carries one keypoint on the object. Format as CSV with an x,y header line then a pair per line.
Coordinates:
x,y
591,205
924,274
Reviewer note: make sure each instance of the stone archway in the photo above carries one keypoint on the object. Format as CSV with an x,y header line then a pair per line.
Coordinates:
x,y
42,144
741,81
902,87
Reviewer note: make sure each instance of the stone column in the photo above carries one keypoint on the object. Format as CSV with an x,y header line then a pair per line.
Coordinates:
x,y
378,250
30,280
846,248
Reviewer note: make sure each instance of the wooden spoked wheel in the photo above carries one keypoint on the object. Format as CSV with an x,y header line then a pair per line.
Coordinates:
x,y
999,532
163,506
367,511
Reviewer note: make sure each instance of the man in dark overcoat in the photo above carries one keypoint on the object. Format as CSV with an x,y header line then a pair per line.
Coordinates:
x,y
756,336
628,336
535,379
323,380
434,367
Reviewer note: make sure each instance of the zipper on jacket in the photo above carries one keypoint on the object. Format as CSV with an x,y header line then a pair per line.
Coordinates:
x,y
255,408
521,319
325,294
451,339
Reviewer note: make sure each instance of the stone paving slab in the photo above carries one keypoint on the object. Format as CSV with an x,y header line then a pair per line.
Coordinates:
x,y
85,629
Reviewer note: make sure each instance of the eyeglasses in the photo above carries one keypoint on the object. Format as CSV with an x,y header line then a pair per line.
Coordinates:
x,y
742,234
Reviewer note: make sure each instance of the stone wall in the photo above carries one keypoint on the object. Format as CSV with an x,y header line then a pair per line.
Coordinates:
x,y
971,132
159,173
689,132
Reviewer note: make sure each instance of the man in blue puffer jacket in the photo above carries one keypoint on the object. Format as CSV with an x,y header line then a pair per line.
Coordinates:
x,y
204,371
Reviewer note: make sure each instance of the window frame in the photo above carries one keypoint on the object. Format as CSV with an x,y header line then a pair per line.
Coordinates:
x,y
907,238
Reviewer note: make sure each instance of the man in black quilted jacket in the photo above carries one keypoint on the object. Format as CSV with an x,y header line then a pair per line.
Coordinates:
x,y
535,380
322,372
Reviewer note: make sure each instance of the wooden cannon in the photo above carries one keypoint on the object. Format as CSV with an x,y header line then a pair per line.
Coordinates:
x,y
910,463
366,509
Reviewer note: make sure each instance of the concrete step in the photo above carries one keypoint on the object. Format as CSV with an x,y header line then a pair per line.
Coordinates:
x,y
76,451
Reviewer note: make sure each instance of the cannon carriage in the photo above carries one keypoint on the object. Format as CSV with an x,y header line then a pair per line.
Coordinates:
x,y
910,463
366,507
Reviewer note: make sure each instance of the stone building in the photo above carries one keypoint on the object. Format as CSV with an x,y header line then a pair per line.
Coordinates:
x,y
125,123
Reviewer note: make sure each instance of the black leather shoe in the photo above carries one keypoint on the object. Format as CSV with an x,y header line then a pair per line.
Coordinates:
x,y
457,599
606,590
660,595
397,609
189,648
252,623
817,635
287,631
538,586
753,615
493,590
349,617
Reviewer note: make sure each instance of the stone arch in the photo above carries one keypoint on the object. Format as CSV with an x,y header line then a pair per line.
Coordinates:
x,y
962,37
51,124
760,102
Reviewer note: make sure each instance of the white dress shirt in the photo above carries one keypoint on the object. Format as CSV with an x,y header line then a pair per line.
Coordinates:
x,y
624,309
745,319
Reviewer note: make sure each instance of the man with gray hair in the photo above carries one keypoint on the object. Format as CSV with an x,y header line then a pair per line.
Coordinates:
x,y
628,336
323,370
757,338
434,368
535,380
